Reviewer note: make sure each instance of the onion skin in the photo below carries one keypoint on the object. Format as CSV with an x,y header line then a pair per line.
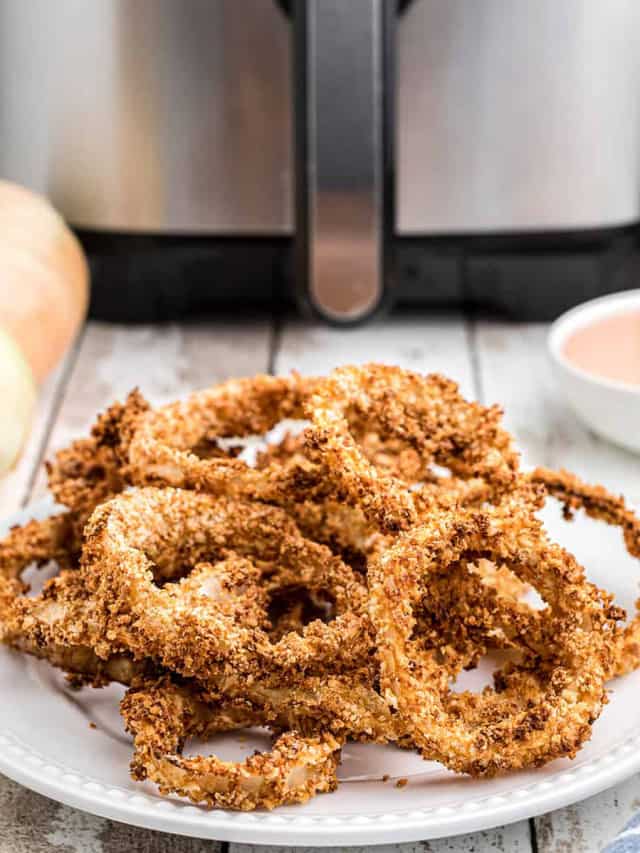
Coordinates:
x,y
44,278
18,395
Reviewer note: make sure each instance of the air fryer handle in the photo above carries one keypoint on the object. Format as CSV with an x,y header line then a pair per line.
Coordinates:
x,y
344,175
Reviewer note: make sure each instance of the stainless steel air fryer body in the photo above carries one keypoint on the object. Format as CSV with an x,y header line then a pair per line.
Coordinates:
x,y
517,115
465,117
150,115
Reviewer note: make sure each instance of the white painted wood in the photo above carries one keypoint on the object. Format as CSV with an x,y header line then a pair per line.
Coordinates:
x,y
424,344
589,826
514,370
510,839
30,823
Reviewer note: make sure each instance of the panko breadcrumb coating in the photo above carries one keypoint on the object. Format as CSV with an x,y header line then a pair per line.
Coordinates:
x,y
543,707
162,716
601,505
427,413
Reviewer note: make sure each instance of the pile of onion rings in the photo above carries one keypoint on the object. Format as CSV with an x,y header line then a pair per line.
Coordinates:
x,y
329,585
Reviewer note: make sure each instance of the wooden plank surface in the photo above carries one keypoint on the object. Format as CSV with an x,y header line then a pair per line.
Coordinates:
x,y
511,839
514,370
425,344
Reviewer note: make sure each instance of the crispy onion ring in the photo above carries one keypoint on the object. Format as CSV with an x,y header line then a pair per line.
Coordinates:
x,y
392,456
80,478
61,625
67,613
347,705
543,708
601,505
161,718
90,470
36,542
427,413
171,445
178,444
131,535
119,558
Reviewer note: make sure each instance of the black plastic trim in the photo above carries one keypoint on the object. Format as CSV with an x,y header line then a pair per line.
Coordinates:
x,y
144,278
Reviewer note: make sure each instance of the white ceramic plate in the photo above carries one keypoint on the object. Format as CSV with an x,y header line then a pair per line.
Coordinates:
x,y
47,744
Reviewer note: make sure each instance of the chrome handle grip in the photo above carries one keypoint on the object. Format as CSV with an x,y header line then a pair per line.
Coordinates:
x,y
344,180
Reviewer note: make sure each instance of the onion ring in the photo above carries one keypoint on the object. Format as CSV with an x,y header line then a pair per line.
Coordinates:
x,y
131,535
60,624
427,413
162,717
36,542
69,603
90,470
543,708
80,477
162,448
601,505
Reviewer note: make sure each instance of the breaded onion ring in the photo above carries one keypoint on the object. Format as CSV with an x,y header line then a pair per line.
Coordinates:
x,y
545,706
80,477
161,717
36,542
90,470
64,624
392,456
426,413
61,624
132,537
171,445
601,505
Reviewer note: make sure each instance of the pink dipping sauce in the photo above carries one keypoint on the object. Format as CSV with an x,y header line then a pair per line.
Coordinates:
x,y
609,348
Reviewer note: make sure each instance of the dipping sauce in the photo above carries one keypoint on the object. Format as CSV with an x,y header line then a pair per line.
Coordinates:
x,y
609,348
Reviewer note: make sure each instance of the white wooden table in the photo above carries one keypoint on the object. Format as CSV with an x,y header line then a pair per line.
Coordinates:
x,y
492,361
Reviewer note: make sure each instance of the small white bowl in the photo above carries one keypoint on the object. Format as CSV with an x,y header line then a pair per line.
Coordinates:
x,y
609,407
